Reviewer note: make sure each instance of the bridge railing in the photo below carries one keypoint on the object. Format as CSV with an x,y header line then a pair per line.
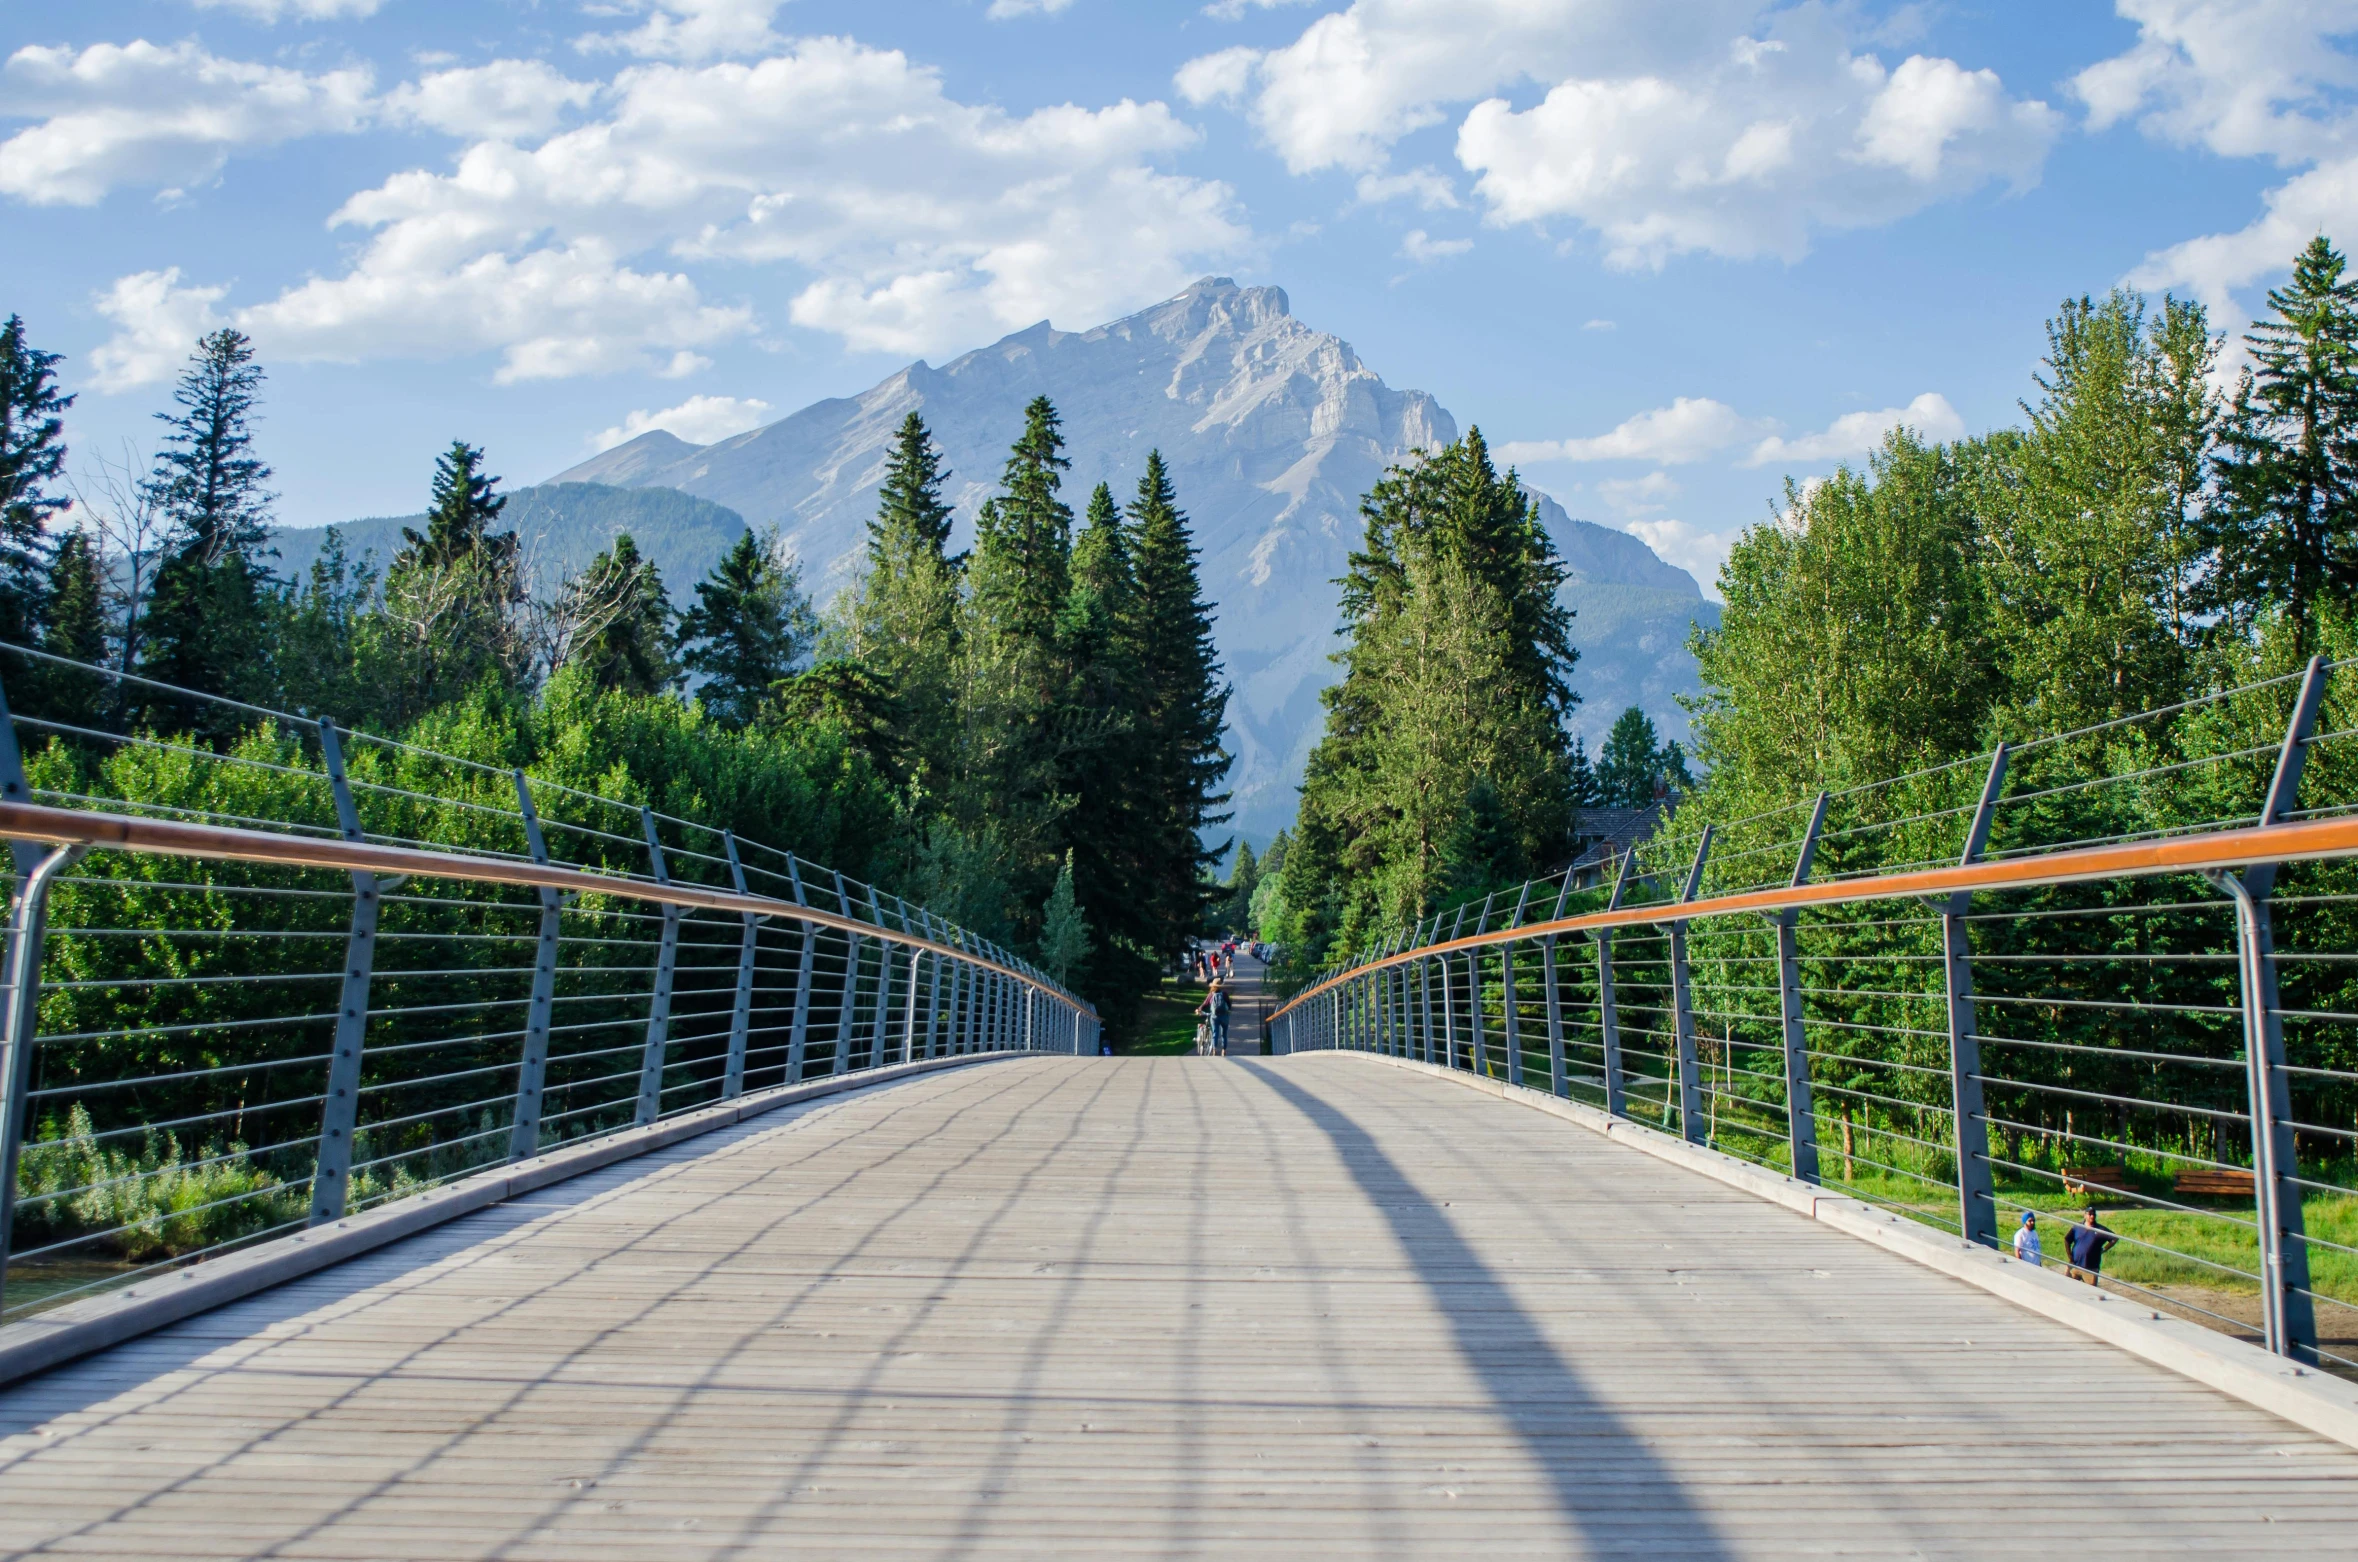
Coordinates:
x,y
263,971
2116,966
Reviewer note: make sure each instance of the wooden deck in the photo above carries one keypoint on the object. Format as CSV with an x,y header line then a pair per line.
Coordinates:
x,y
1285,1308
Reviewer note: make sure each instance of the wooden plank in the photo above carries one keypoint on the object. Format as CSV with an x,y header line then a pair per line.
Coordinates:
x,y
1140,1307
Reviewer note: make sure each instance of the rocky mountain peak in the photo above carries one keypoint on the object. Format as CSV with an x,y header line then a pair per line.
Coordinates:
x,y
1272,431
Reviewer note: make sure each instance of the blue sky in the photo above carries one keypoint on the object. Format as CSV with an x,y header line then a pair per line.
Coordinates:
x,y
1665,254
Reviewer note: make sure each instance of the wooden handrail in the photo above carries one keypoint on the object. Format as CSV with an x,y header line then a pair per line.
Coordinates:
x,y
178,838
2308,841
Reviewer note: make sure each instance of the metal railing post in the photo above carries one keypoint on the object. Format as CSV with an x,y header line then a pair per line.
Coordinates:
x,y
1449,998
1801,1118
798,1034
1559,1081
533,1067
1475,999
339,1115
1608,1013
1977,1191
28,938
2288,1315
847,1011
667,957
933,1002
1691,1123
741,1010
1506,985
909,1005
883,1019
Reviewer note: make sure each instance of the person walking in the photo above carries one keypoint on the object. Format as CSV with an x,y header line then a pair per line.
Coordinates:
x,y
2084,1245
2026,1241
1214,1009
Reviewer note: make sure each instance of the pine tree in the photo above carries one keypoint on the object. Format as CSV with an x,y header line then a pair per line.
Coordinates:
x,y
202,628
1064,930
464,505
2286,528
75,627
32,456
1014,677
1183,706
1580,780
1632,762
750,628
627,641
451,595
902,617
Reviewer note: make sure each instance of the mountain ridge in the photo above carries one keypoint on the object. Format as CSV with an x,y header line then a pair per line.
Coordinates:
x,y
1272,431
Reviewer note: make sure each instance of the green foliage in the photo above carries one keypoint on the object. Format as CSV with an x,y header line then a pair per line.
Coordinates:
x,y
624,623
2286,531
32,456
751,626
203,626
1064,931
902,617
1636,768
142,1200
1445,768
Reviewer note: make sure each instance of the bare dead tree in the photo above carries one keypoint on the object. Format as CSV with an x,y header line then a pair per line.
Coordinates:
x,y
114,498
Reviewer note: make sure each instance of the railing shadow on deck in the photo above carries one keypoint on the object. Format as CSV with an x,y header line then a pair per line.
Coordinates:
x,y
1535,1389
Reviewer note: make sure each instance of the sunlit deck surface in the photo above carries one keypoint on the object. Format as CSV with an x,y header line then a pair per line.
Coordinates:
x,y
1295,1307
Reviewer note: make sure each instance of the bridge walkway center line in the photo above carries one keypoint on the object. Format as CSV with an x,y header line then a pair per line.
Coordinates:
x,y
1290,1308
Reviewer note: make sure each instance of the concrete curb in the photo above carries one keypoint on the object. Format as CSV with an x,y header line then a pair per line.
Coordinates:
x,y
49,1339
2322,1403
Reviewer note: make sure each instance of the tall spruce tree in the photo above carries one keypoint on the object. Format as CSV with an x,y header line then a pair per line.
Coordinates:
x,y
1182,704
1014,675
2286,525
1446,758
750,628
1101,765
32,456
902,618
202,627
74,626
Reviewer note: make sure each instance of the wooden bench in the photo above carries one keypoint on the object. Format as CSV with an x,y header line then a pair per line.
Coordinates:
x,y
2215,1183
2111,1179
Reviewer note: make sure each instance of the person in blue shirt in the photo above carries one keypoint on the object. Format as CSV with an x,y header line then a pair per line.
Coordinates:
x,y
2084,1245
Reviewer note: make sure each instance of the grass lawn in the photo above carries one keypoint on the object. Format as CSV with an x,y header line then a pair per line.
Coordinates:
x,y
1166,1021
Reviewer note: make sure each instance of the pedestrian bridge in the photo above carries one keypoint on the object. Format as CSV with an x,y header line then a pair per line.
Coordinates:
x,y
1309,1306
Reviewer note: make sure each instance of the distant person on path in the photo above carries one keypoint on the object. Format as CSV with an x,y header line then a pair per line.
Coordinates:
x,y
2026,1241
2084,1244
1214,1008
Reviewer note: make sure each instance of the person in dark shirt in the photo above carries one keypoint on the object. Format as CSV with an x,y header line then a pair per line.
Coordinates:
x,y
2084,1245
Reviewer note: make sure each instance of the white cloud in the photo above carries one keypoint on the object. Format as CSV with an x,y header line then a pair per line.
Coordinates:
x,y
1424,250
301,10
1857,433
1598,325
1231,10
1689,429
909,221
699,420
1730,126
1001,10
2241,77
2265,78
143,114
1217,78
156,321
1639,495
694,30
504,100
1698,552
1428,189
